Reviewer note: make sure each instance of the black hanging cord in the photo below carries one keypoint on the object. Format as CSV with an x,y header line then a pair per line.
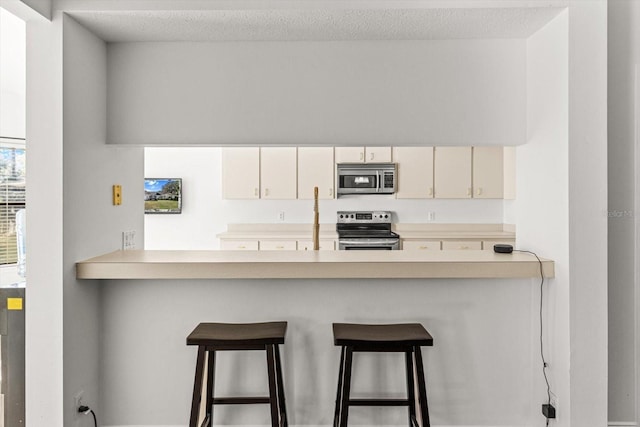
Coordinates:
x,y
544,362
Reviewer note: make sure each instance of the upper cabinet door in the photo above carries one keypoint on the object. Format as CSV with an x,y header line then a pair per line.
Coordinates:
x,y
315,169
452,172
241,173
415,172
377,154
488,172
349,154
278,172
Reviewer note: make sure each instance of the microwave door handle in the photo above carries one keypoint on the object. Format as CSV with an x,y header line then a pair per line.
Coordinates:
x,y
378,181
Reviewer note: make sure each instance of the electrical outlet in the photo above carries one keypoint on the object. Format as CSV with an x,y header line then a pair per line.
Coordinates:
x,y
128,240
431,216
281,216
77,399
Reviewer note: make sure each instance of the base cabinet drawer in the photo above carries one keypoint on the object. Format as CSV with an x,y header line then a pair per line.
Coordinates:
x,y
325,245
278,245
461,245
487,245
239,245
421,245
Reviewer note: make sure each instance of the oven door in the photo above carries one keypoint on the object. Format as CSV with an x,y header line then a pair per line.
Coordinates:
x,y
347,244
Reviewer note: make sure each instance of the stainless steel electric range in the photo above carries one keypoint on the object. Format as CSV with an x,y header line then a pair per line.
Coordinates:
x,y
366,230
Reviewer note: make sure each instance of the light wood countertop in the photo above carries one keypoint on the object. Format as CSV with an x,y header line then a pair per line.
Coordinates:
x,y
141,264
406,231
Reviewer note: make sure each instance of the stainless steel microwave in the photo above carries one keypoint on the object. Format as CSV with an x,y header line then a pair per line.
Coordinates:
x,y
367,178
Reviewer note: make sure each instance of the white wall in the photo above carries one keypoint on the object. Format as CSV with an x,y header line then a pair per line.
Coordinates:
x,y
481,355
624,57
437,92
44,239
587,202
542,208
205,213
12,75
92,225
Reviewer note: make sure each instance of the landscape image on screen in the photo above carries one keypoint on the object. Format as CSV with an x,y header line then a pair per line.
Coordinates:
x,y
162,195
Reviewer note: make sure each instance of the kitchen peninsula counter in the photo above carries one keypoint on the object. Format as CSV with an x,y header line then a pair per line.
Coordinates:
x,y
147,264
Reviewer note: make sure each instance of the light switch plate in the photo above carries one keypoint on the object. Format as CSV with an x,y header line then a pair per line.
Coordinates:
x,y
117,195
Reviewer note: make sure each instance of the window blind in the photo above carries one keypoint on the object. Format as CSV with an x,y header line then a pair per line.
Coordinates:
x,y
12,196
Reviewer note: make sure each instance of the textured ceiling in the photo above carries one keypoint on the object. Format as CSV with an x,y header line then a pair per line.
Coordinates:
x,y
321,24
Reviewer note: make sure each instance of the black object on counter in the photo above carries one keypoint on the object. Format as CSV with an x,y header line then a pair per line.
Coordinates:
x,y
502,249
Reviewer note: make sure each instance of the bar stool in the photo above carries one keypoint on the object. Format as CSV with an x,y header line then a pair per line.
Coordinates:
x,y
213,337
403,338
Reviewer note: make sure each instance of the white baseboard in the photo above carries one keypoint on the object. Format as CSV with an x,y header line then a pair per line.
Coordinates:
x,y
622,424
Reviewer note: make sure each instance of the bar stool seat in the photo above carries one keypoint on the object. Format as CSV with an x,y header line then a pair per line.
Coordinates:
x,y
404,338
213,337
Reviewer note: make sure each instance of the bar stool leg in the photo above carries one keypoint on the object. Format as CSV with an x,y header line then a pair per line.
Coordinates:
x,y
273,389
197,388
422,388
336,417
411,391
283,405
346,388
211,377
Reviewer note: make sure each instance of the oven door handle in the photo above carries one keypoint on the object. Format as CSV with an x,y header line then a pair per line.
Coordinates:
x,y
378,181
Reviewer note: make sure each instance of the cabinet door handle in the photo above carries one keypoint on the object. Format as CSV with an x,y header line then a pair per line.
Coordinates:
x,y
463,247
424,247
255,192
479,191
242,247
266,191
431,191
372,155
331,192
469,192
279,247
362,155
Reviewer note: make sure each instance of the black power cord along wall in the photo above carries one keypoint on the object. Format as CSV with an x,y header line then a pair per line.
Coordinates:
x,y
548,409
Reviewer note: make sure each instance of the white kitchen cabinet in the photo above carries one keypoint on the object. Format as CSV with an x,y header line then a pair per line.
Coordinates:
x,y
278,172
239,245
325,245
349,154
488,172
363,154
452,173
377,154
421,245
278,245
415,172
315,169
462,245
241,173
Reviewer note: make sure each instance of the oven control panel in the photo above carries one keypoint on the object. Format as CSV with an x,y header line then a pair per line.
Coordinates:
x,y
364,217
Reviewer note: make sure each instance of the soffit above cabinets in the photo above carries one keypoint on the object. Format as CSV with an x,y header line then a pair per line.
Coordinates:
x,y
322,24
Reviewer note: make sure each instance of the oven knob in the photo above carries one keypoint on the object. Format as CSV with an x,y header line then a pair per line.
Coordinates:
x,y
351,215
386,216
341,216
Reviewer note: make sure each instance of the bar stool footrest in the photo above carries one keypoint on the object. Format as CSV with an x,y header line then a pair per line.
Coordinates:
x,y
378,402
240,400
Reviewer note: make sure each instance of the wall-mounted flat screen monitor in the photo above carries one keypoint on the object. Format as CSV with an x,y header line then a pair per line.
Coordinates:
x,y
162,195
